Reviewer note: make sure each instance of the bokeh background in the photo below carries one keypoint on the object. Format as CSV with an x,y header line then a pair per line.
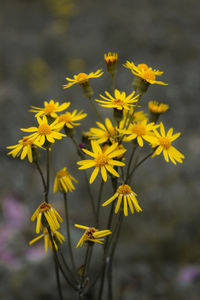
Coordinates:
x,y
42,42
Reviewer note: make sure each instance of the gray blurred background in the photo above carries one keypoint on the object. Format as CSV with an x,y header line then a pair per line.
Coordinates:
x,y
42,42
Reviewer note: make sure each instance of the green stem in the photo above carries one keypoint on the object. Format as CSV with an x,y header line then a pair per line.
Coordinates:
x,y
67,267
130,161
139,163
68,232
41,175
58,263
58,278
113,84
85,268
99,204
110,266
47,174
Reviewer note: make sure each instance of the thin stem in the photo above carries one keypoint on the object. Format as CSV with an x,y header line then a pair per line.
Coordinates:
x,y
139,163
113,84
68,232
85,268
77,147
47,174
58,263
90,195
58,278
110,266
99,203
41,175
130,161
67,267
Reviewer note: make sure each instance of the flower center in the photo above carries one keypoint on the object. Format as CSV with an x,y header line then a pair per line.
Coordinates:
x,y
165,142
45,231
124,189
82,78
118,102
90,231
44,129
62,173
26,141
49,108
101,160
143,67
65,118
148,75
44,207
139,129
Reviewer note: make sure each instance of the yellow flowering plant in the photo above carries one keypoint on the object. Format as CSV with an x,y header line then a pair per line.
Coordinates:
x,y
112,151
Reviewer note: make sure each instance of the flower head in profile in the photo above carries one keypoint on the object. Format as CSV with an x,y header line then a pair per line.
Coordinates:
x,y
91,235
50,109
104,133
25,147
102,161
139,131
46,214
110,58
82,78
56,236
120,101
163,144
45,132
111,61
144,72
70,119
124,194
63,182
157,108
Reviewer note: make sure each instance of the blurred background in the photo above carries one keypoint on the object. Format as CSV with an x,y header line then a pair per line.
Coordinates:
x,y
42,42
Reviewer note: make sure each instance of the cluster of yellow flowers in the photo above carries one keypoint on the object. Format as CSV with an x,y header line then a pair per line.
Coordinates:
x,y
106,144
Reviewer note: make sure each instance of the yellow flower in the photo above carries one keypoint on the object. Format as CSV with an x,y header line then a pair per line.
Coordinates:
x,y
63,181
119,101
69,119
110,58
25,147
102,160
45,131
125,193
163,143
82,78
45,213
56,236
137,115
144,72
157,108
140,130
104,132
50,109
91,234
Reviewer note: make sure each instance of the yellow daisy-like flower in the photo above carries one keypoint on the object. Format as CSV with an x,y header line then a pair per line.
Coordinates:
x,y
157,108
63,181
92,235
146,73
125,193
119,101
69,119
104,132
57,237
140,130
82,78
163,143
46,213
50,109
102,160
25,147
45,131
137,115
110,58
119,147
